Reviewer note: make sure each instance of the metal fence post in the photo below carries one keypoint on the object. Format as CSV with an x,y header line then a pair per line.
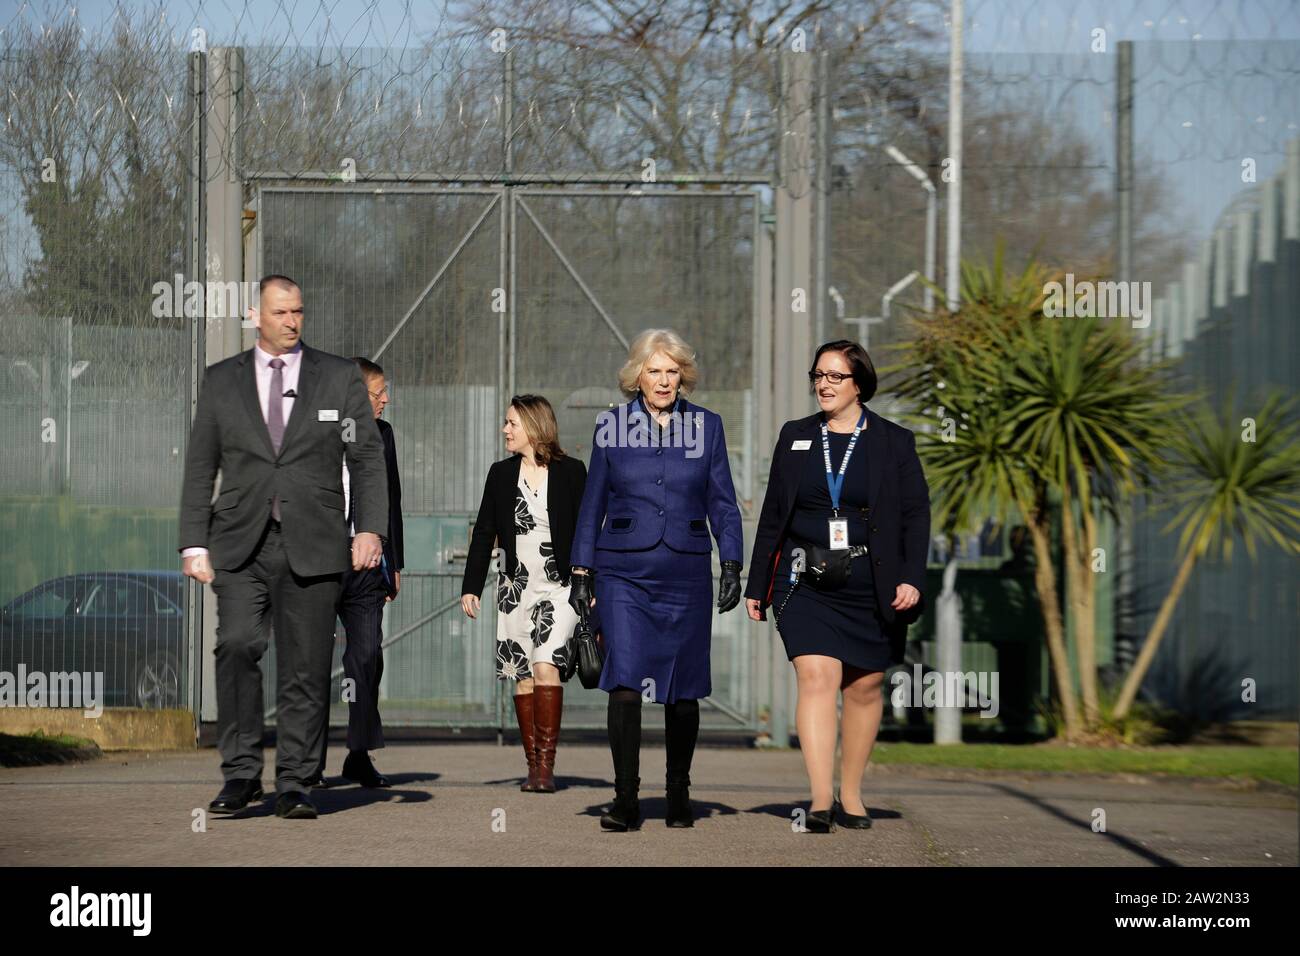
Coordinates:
x,y
794,224
792,271
1125,636
195,255
955,67
822,145
947,720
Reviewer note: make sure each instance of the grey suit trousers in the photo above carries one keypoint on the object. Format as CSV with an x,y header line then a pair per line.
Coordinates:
x,y
264,595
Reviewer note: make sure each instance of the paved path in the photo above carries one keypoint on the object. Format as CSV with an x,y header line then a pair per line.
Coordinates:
x,y
137,808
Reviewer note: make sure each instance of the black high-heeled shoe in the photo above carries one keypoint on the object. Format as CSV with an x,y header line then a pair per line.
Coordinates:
x,y
851,821
820,821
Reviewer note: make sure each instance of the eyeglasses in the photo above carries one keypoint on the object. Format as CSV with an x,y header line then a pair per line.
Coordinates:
x,y
383,391
833,377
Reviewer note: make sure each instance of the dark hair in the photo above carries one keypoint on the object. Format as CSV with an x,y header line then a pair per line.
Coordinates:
x,y
538,418
864,373
368,368
278,280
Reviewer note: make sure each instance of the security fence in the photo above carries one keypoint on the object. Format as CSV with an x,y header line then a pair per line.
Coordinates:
x,y
587,270
491,200
1171,162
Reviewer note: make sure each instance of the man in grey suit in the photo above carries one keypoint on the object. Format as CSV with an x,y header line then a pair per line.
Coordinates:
x,y
278,421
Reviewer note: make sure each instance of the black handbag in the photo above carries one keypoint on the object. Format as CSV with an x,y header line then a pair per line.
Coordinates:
x,y
584,655
825,569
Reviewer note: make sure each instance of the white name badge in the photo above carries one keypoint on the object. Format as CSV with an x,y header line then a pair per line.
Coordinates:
x,y
839,534
803,444
327,415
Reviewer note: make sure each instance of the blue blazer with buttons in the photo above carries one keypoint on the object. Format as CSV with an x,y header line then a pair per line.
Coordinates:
x,y
642,490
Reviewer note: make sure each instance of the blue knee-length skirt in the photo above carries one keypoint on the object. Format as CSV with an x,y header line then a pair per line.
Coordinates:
x,y
656,616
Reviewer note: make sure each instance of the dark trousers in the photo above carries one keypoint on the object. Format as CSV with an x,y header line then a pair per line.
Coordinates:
x,y
265,594
361,608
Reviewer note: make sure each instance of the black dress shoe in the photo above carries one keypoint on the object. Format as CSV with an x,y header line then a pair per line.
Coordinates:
x,y
295,806
821,821
358,768
851,821
236,795
318,782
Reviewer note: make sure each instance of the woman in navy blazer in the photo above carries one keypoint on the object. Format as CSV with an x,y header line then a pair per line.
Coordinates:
x,y
659,481
841,640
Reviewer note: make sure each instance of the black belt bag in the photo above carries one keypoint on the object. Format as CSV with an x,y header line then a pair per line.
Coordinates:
x,y
826,569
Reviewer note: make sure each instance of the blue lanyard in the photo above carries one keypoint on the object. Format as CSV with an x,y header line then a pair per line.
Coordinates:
x,y
836,482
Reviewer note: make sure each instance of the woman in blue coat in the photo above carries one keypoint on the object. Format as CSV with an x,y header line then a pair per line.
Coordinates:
x,y
659,481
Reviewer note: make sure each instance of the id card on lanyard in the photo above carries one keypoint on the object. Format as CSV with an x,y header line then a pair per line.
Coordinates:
x,y
837,532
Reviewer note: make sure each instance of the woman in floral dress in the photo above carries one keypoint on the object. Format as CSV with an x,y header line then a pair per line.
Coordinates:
x,y
526,520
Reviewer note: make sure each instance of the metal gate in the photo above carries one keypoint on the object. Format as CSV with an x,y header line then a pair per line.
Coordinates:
x,y
467,295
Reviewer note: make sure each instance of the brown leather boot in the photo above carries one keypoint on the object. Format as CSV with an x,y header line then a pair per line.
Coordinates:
x,y
524,714
548,702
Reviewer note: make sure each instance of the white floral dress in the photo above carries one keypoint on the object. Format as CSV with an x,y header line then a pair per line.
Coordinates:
x,y
534,620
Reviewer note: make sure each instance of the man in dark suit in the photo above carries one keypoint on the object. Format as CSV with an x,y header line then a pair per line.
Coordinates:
x,y
361,608
278,421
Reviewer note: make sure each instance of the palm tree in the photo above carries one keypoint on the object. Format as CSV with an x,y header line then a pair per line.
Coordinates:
x,y
1033,406
1095,418
953,370
1225,485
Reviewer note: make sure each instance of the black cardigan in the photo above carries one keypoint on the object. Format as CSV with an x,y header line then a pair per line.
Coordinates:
x,y
495,524
898,514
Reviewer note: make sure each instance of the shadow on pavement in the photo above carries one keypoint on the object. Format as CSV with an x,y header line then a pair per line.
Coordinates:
x,y
784,810
353,798
1151,856
562,782
656,808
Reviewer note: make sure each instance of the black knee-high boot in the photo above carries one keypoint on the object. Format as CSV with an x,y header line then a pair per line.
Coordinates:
x,y
624,722
682,725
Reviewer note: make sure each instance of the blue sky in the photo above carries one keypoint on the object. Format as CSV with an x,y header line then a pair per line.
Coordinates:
x,y
1005,26
1204,103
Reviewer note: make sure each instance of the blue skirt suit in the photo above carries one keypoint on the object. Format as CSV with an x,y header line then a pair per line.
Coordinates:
x,y
652,496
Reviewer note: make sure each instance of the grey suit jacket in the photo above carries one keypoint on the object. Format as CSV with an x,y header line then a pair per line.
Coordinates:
x,y
230,434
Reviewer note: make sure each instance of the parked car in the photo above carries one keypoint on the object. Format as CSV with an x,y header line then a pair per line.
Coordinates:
x,y
127,624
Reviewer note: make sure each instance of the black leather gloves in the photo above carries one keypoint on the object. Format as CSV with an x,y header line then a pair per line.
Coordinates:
x,y
580,592
729,589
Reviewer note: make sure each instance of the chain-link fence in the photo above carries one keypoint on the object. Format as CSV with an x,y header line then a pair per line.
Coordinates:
x,y
93,376
1212,200
611,170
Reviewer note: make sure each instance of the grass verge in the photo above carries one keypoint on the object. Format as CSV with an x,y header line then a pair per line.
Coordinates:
x,y
1275,764
30,750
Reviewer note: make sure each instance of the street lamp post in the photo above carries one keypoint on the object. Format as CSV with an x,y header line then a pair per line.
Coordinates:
x,y
931,216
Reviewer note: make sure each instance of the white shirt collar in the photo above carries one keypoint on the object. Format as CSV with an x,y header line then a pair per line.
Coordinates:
x,y
264,358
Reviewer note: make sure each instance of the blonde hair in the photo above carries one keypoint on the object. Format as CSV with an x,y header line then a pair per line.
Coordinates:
x,y
643,348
